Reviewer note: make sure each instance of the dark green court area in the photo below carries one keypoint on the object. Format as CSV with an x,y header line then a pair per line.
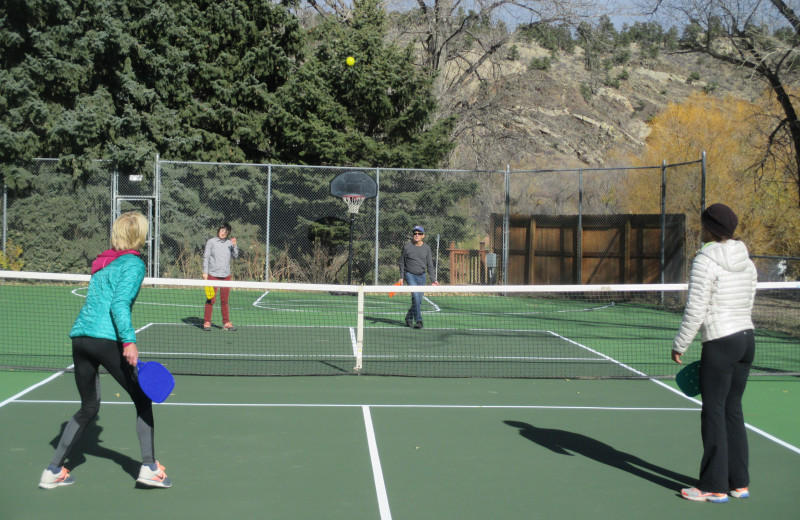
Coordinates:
x,y
386,447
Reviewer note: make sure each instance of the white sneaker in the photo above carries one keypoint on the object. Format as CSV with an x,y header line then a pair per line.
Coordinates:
x,y
702,496
740,492
151,478
52,480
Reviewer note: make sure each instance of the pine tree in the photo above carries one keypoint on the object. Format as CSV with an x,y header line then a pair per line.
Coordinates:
x,y
377,112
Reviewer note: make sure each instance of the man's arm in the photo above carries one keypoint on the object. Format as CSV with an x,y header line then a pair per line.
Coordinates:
x,y
431,268
401,263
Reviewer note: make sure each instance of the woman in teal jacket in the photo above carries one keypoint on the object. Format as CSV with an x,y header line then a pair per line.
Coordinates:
x,y
103,334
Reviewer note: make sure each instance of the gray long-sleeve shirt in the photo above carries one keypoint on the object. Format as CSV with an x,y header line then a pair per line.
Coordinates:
x,y
217,257
415,259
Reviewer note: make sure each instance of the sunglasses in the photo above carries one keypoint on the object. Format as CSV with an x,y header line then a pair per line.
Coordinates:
x,y
417,233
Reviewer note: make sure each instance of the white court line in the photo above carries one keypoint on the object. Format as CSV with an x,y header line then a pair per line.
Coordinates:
x,y
463,406
377,472
435,307
607,358
747,425
14,398
754,429
233,355
361,405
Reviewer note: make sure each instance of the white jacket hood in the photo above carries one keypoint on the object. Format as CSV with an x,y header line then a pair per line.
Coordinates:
x,y
731,255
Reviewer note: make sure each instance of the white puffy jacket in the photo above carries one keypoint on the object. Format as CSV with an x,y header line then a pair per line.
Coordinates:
x,y
722,287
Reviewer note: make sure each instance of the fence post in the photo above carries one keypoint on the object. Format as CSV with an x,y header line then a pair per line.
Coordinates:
x,y
114,201
703,182
157,225
579,234
377,220
506,223
5,215
269,214
662,240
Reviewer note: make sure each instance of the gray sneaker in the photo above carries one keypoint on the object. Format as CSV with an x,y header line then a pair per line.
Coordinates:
x,y
157,478
418,325
52,480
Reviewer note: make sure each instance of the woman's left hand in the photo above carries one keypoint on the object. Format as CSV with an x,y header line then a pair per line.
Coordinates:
x,y
131,353
676,357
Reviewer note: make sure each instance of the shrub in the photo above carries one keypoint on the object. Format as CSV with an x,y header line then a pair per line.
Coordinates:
x,y
539,64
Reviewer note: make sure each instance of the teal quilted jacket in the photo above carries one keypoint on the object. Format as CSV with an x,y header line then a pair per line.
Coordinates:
x,y
106,313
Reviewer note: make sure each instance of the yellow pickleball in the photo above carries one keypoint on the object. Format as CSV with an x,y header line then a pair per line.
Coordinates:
x,y
350,61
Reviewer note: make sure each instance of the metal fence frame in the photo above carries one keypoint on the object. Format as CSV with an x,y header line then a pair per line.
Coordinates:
x,y
152,196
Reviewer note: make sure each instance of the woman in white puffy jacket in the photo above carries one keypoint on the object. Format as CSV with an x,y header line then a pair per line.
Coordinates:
x,y
722,287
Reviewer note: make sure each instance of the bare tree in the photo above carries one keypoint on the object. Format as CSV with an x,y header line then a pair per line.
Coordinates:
x,y
464,46
761,37
458,35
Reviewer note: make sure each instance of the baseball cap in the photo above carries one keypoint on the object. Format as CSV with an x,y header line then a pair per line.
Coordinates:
x,y
419,228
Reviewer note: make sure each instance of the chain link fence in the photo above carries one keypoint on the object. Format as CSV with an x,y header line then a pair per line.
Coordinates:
x,y
53,223
609,225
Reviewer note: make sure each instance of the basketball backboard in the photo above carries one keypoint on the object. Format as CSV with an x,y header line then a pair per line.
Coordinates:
x,y
354,182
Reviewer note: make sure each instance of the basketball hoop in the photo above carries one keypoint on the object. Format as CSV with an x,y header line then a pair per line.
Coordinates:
x,y
353,202
353,187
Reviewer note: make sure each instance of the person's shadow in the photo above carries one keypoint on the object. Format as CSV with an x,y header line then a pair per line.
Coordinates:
x,y
89,443
571,443
373,319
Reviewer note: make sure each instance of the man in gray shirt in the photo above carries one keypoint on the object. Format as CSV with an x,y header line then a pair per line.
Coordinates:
x,y
415,258
217,266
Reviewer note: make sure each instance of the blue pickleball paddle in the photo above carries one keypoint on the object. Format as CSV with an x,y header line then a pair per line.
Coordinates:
x,y
155,380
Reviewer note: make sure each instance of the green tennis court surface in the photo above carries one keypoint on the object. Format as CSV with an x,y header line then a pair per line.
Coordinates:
x,y
382,447
514,422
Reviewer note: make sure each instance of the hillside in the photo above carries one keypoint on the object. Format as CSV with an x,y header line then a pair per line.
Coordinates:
x,y
565,116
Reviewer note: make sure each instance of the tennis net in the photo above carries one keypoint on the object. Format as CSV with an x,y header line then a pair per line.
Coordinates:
x,y
620,331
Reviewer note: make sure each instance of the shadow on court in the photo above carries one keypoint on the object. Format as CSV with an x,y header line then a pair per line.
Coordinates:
x,y
571,443
194,321
89,443
396,322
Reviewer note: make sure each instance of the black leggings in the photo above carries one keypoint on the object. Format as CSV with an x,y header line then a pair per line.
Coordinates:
x,y
89,354
724,366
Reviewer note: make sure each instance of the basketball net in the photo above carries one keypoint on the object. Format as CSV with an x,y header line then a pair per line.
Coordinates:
x,y
353,202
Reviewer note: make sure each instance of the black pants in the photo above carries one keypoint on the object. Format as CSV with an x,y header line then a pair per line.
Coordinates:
x,y
88,354
724,366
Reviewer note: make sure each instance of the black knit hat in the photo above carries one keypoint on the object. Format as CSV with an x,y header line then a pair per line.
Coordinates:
x,y
720,220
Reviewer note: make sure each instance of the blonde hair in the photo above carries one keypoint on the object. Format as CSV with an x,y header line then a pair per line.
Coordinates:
x,y
129,231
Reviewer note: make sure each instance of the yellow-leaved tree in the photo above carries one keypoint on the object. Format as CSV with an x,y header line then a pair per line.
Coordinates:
x,y
10,259
727,130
